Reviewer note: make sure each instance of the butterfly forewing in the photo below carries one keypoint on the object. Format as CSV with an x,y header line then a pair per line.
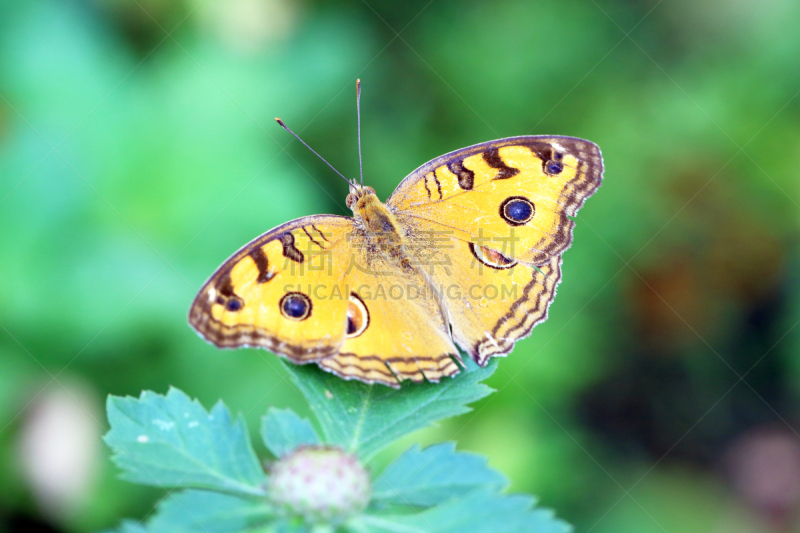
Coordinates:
x,y
264,294
513,195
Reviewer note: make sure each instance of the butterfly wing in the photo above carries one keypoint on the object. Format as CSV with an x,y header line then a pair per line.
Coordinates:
x,y
513,195
263,296
491,301
397,329
311,291
489,223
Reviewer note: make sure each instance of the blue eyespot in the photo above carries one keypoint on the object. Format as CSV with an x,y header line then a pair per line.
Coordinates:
x,y
296,306
234,304
517,210
553,167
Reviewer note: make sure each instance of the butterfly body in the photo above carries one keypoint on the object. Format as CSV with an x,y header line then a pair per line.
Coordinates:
x,y
466,252
380,229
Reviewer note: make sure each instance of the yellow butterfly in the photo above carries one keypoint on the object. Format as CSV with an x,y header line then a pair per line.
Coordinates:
x,y
466,251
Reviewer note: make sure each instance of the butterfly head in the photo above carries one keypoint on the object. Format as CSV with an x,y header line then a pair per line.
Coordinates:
x,y
359,196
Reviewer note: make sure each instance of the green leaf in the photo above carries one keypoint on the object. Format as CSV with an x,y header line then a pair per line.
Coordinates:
x,y
172,441
365,418
481,511
430,476
283,431
199,511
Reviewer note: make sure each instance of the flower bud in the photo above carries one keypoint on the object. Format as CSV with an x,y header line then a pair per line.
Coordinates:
x,y
319,484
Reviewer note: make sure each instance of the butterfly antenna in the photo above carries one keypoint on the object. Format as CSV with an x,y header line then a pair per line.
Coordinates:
x,y
358,115
284,126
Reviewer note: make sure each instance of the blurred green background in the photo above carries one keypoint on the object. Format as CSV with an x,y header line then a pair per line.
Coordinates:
x,y
138,151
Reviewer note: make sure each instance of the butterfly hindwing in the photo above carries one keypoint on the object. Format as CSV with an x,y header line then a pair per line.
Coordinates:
x,y
397,329
491,300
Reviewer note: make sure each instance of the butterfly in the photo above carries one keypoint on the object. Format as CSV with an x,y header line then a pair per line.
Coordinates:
x,y
466,252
